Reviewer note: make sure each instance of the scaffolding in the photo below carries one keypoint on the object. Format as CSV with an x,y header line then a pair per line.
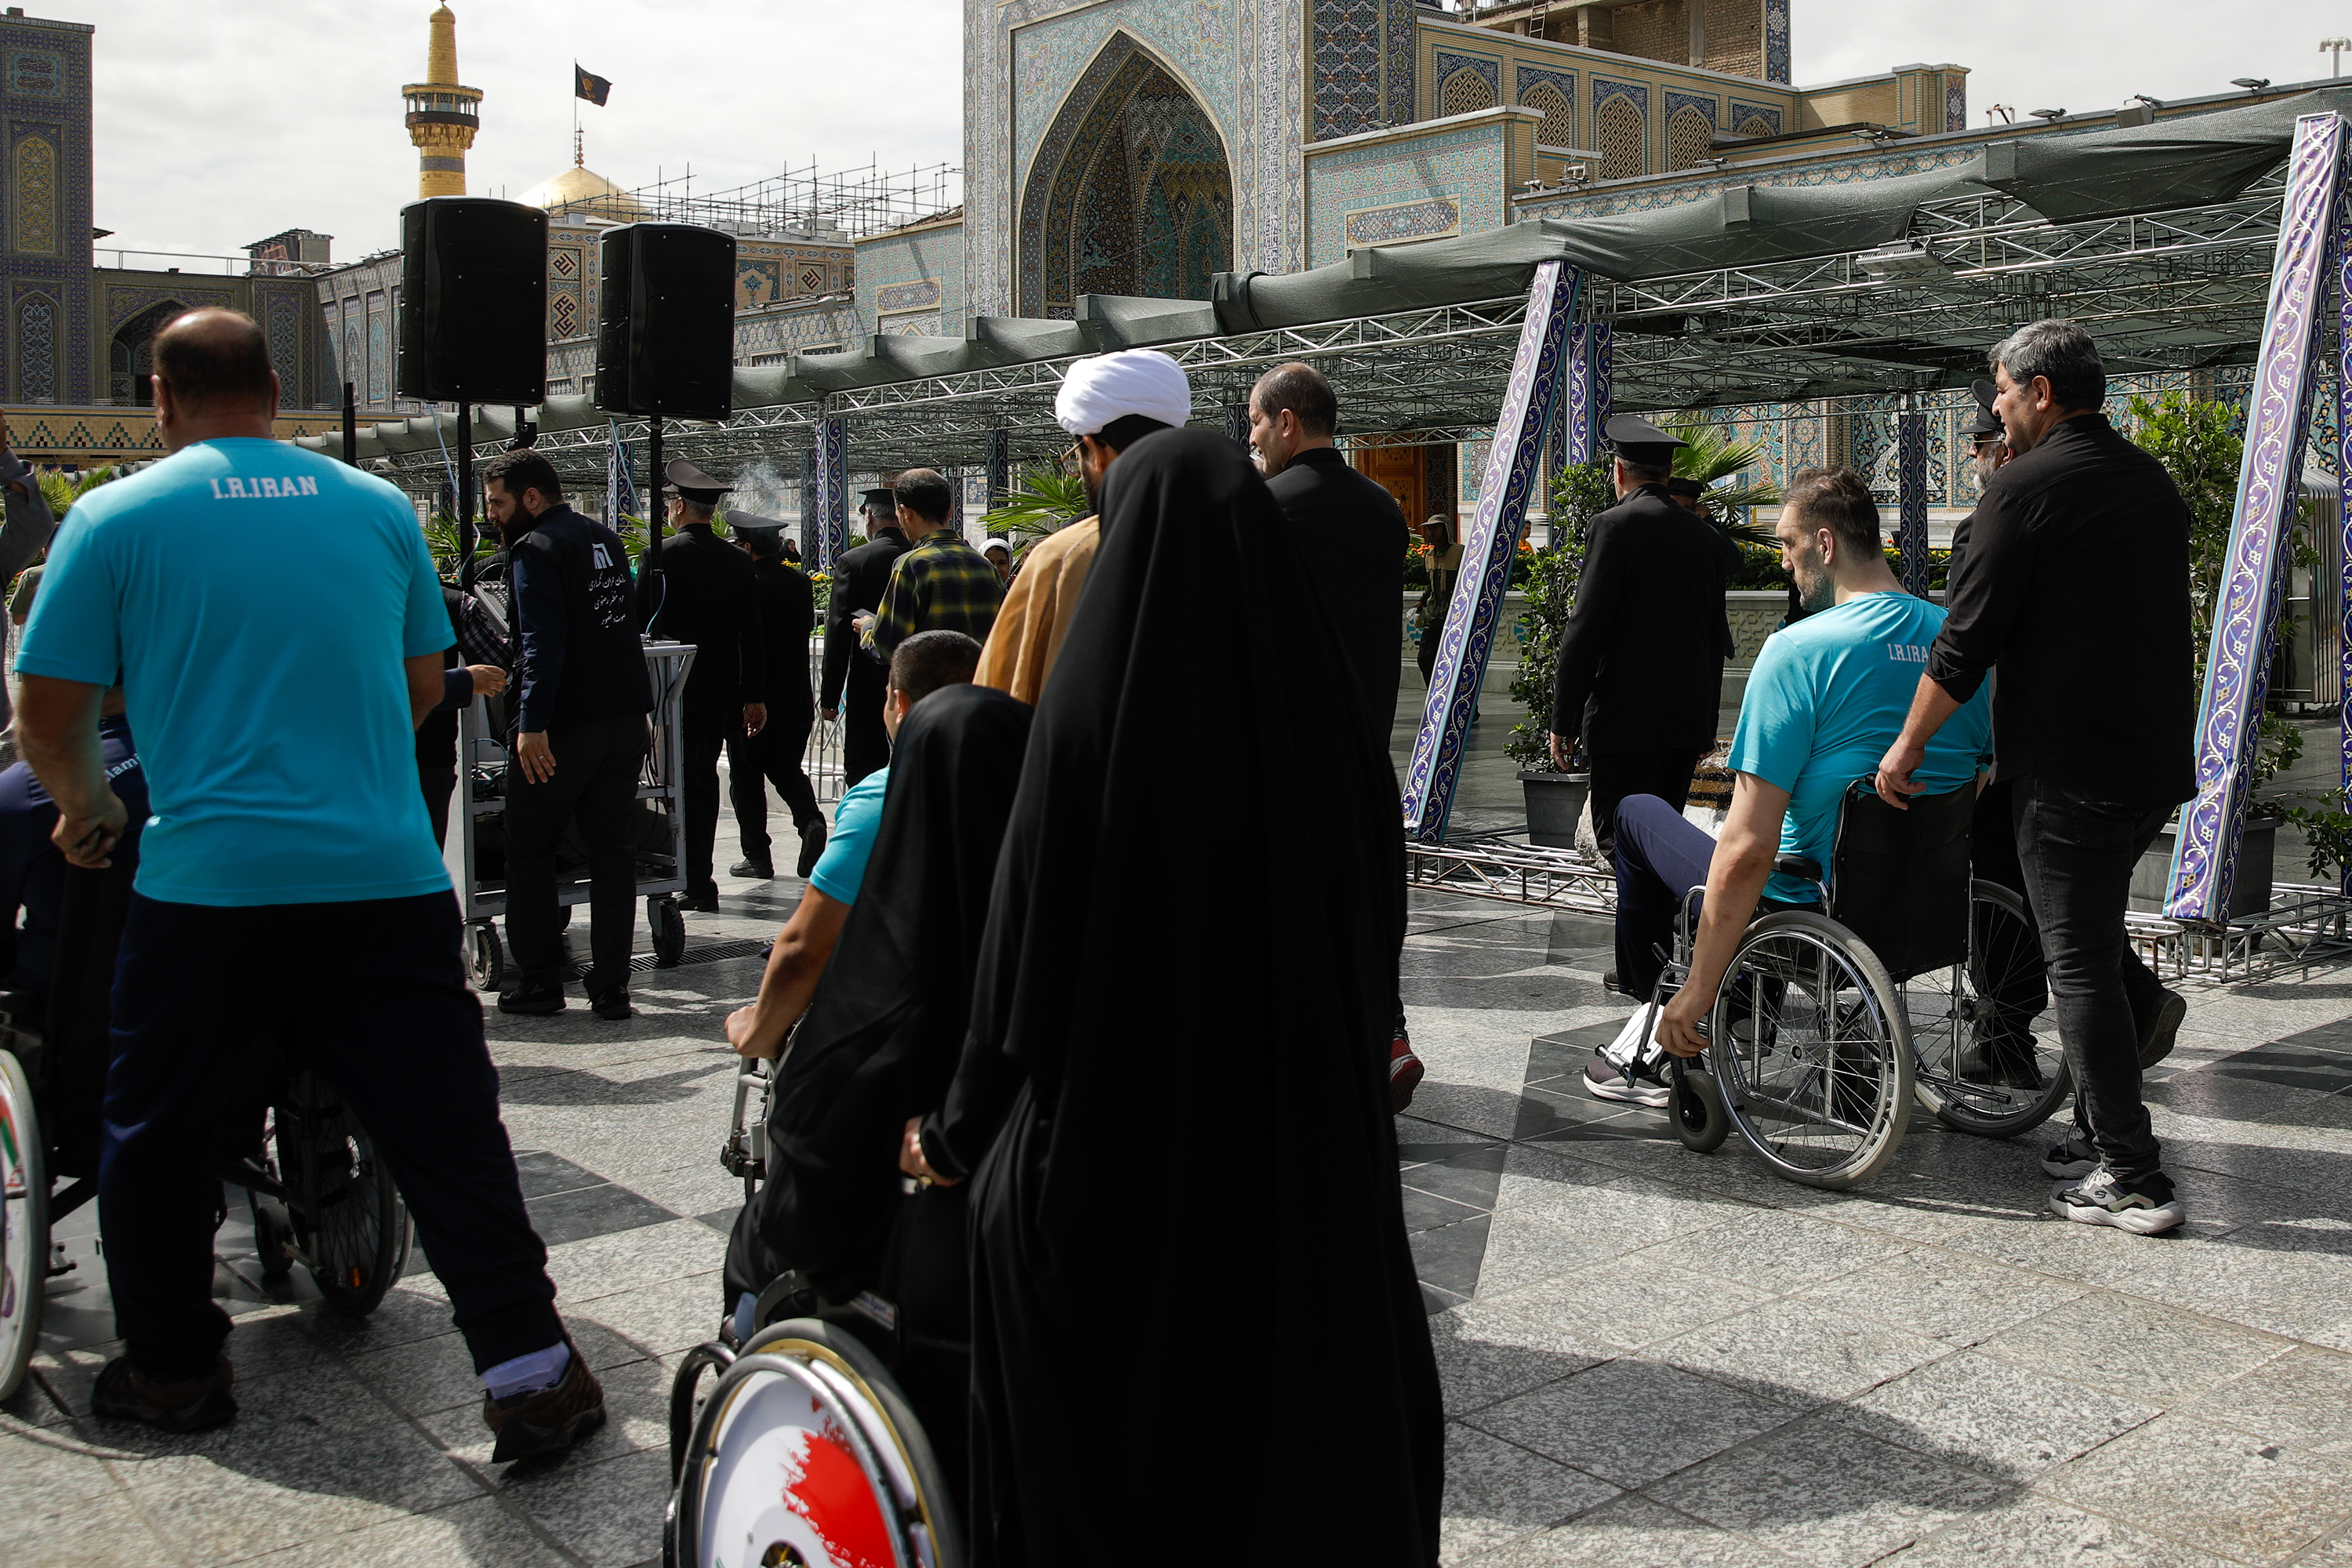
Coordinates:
x,y
840,206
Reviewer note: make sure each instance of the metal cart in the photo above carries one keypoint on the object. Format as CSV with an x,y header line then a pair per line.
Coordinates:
x,y
482,762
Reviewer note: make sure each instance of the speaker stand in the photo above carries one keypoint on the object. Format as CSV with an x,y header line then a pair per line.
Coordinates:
x,y
466,534
654,488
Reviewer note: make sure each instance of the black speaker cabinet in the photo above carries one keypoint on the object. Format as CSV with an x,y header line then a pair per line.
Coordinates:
x,y
473,306
666,327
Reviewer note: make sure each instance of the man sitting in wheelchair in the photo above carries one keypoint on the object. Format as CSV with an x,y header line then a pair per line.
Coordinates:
x,y
1828,695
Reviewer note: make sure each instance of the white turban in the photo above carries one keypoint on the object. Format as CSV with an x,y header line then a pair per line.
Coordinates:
x,y
1104,388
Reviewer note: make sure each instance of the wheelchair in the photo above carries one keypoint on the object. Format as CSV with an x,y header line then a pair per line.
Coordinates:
x,y
320,1196
1910,981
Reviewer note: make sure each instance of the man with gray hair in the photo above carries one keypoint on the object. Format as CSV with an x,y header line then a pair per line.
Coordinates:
x,y
2097,762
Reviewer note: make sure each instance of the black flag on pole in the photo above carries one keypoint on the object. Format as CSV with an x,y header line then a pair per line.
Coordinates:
x,y
592,88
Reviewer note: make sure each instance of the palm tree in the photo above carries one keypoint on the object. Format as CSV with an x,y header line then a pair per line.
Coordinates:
x,y
61,491
1046,498
1710,452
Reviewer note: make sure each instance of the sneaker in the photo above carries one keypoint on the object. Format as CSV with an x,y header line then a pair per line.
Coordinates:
x,y
1627,1068
1405,1073
611,1003
534,999
2163,1030
811,847
2072,1159
752,867
533,1425
123,1393
2144,1207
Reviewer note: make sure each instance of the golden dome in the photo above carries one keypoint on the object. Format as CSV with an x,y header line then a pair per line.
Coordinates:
x,y
584,191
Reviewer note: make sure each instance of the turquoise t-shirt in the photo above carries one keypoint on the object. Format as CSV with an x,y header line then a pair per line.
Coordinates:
x,y
1829,695
258,600
840,871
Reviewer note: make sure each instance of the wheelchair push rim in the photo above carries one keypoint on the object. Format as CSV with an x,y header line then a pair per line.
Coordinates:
x,y
791,1463
1811,1051
24,1225
1981,1070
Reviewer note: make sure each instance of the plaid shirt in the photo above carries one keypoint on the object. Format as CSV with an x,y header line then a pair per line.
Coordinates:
x,y
940,584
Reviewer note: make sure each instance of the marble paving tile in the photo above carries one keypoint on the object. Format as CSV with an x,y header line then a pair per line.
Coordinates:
x,y
637,1416
630,1259
2302,1399
2251,1500
1799,1353
1779,1252
2173,1355
608,1513
2033,1529
663,1318
1496,1492
1486,1353
1629,1304
105,1530
1988,1416
1828,1495
1633,1529
1632,1421
424,1376
1940,1295
1449,1255
483,1532
2295,1292
1523,1246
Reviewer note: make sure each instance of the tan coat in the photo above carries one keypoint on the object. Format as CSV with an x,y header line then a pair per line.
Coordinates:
x,y
1036,613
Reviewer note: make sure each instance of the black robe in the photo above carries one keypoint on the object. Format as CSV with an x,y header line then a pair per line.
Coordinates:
x,y
1192,1298
878,1045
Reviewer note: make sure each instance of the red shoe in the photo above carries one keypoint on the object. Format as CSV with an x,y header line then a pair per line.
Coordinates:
x,y
1404,1072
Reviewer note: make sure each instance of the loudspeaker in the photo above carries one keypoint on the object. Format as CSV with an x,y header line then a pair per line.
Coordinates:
x,y
665,329
473,307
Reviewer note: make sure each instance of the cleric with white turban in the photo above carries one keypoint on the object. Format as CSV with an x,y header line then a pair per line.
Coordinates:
x,y
1102,388
1108,402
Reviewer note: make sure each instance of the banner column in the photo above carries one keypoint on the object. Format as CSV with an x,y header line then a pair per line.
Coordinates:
x,y
1911,491
829,537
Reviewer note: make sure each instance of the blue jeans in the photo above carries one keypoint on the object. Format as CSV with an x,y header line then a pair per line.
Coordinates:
x,y
1660,856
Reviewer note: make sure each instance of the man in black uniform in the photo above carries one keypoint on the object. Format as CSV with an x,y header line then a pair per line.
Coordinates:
x,y
787,607
860,578
699,590
1641,659
1354,535
580,743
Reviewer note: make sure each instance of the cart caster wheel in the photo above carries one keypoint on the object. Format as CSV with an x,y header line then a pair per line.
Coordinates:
x,y
668,923
271,1234
485,957
1695,1105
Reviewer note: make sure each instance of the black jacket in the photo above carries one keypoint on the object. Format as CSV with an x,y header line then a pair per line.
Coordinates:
x,y
702,595
2076,582
577,655
1641,659
787,606
859,579
1354,536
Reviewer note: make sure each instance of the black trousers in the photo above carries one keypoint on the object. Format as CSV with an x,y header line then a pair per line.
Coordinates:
x,y
752,763
706,737
371,995
1617,775
864,743
595,783
440,783
2077,854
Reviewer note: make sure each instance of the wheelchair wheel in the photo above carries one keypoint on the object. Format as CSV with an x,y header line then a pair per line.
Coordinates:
x,y
1982,1068
819,1412
350,1229
1694,1106
1813,1052
24,1225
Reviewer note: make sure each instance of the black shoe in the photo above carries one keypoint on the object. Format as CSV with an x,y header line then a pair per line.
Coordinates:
x,y
749,866
612,1004
811,847
2001,1064
533,999
702,900
533,1426
2163,1030
124,1393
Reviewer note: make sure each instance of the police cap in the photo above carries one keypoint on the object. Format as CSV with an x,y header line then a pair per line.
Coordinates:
x,y
1987,424
1639,441
693,484
884,501
1693,488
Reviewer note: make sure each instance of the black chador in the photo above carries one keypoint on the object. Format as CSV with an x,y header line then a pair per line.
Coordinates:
x,y
878,1045
854,679
1177,1312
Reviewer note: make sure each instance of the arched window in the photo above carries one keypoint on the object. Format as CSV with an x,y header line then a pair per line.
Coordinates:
x,y
1558,127
1757,125
1690,137
36,195
36,349
130,358
1466,93
1624,142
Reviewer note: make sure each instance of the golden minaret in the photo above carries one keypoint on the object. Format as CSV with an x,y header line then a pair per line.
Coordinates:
x,y
442,116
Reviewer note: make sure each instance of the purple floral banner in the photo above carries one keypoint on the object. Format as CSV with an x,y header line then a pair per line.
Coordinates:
x,y
2344,475
1911,493
1488,549
1581,432
829,536
2245,618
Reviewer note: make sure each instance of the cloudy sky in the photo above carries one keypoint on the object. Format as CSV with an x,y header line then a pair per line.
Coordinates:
x,y
222,121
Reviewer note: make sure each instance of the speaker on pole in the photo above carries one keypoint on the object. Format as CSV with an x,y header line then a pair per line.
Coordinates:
x,y
665,325
473,313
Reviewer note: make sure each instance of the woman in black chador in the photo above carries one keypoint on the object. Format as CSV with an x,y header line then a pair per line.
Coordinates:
x,y
1196,1332
878,1046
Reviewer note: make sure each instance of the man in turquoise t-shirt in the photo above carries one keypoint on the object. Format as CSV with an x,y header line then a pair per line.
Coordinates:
x,y
920,665
1827,695
279,631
